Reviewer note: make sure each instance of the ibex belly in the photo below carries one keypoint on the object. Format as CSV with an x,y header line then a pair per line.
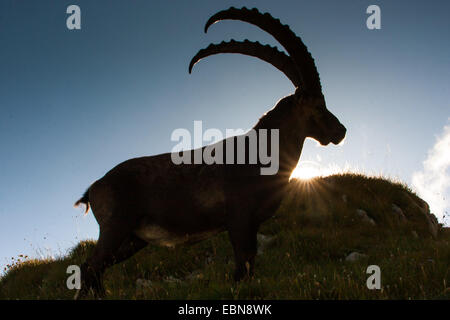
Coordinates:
x,y
196,216
163,237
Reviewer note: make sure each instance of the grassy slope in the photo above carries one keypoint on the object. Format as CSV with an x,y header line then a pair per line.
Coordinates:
x,y
314,230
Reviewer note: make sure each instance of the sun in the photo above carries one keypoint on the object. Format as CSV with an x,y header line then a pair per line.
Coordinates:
x,y
306,170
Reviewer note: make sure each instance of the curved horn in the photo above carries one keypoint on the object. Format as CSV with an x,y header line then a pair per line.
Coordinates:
x,y
267,53
284,35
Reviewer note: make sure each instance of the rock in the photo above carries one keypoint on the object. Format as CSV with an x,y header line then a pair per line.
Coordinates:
x,y
424,205
433,224
143,285
361,213
195,275
263,241
399,212
427,217
171,279
209,258
344,198
355,256
364,217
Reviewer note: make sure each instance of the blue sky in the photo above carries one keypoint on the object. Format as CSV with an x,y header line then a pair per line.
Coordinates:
x,y
73,104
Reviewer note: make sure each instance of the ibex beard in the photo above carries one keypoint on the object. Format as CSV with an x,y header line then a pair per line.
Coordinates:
x,y
152,200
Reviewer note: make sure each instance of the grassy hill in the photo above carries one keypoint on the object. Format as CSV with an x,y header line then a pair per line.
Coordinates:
x,y
304,253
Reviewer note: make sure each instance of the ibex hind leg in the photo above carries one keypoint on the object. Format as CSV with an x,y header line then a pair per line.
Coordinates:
x,y
116,243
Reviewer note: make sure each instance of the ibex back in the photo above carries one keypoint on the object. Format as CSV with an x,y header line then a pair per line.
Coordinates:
x,y
152,200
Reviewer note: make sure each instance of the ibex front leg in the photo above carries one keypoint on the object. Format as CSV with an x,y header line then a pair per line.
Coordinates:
x,y
243,238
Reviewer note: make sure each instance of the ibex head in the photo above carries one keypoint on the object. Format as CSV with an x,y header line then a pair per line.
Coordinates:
x,y
309,111
320,124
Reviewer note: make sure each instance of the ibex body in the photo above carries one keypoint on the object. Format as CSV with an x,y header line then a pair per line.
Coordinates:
x,y
152,200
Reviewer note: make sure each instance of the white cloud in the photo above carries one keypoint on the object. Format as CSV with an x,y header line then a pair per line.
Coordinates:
x,y
433,182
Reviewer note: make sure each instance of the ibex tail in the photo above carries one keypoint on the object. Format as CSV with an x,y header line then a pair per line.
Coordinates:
x,y
85,200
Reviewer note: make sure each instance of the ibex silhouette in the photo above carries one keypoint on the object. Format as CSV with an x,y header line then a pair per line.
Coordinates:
x,y
152,200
